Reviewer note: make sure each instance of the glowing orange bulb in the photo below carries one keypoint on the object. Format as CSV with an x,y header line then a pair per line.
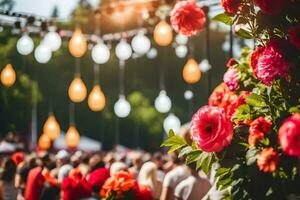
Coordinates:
x,y
191,72
51,128
77,44
44,142
96,100
8,75
77,90
163,34
72,137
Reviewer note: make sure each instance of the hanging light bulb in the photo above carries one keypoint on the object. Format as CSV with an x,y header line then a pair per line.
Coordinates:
x,y
100,53
163,34
25,45
191,72
8,75
77,90
123,50
96,99
140,43
181,51
162,102
51,127
122,107
44,142
181,39
204,66
172,123
42,53
52,40
152,53
72,137
77,44
188,95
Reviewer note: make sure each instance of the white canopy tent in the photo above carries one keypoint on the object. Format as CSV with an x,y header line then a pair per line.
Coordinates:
x,y
86,143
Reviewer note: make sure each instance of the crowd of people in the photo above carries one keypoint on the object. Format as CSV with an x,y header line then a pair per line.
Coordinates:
x,y
79,175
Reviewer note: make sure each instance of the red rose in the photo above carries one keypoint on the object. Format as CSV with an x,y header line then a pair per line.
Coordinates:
x,y
271,7
255,55
187,18
267,160
211,129
231,6
258,128
222,97
231,62
271,62
289,135
294,35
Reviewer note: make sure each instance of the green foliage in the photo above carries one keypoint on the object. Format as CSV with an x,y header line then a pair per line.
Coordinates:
x,y
192,154
224,18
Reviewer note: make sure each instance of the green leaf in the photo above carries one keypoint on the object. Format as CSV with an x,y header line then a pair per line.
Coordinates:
x,y
193,156
251,156
171,133
244,34
185,151
243,112
224,18
174,140
295,109
255,100
205,162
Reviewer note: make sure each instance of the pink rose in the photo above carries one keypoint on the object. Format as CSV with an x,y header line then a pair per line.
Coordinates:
x,y
187,18
211,129
289,135
231,79
271,63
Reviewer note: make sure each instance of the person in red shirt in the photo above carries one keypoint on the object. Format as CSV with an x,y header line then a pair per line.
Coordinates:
x,y
35,180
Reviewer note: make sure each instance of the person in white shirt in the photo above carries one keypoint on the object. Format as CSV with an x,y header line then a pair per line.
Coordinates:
x,y
173,178
192,188
148,178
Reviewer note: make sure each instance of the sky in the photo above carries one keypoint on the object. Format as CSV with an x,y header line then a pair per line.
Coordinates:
x,y
45,7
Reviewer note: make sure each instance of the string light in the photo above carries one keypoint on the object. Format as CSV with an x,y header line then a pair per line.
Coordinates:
x,y
44,142
77,90
191,71
51,128
77,44
25,45
163,34
96,99
72,137
8,76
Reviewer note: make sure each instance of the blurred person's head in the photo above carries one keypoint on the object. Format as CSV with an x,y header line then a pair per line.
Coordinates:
x,y
157,158
46,161
9,170
62,157
137,160
18,157
9,137
109,159
117,167
95,162
186,134
147,175
175,159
